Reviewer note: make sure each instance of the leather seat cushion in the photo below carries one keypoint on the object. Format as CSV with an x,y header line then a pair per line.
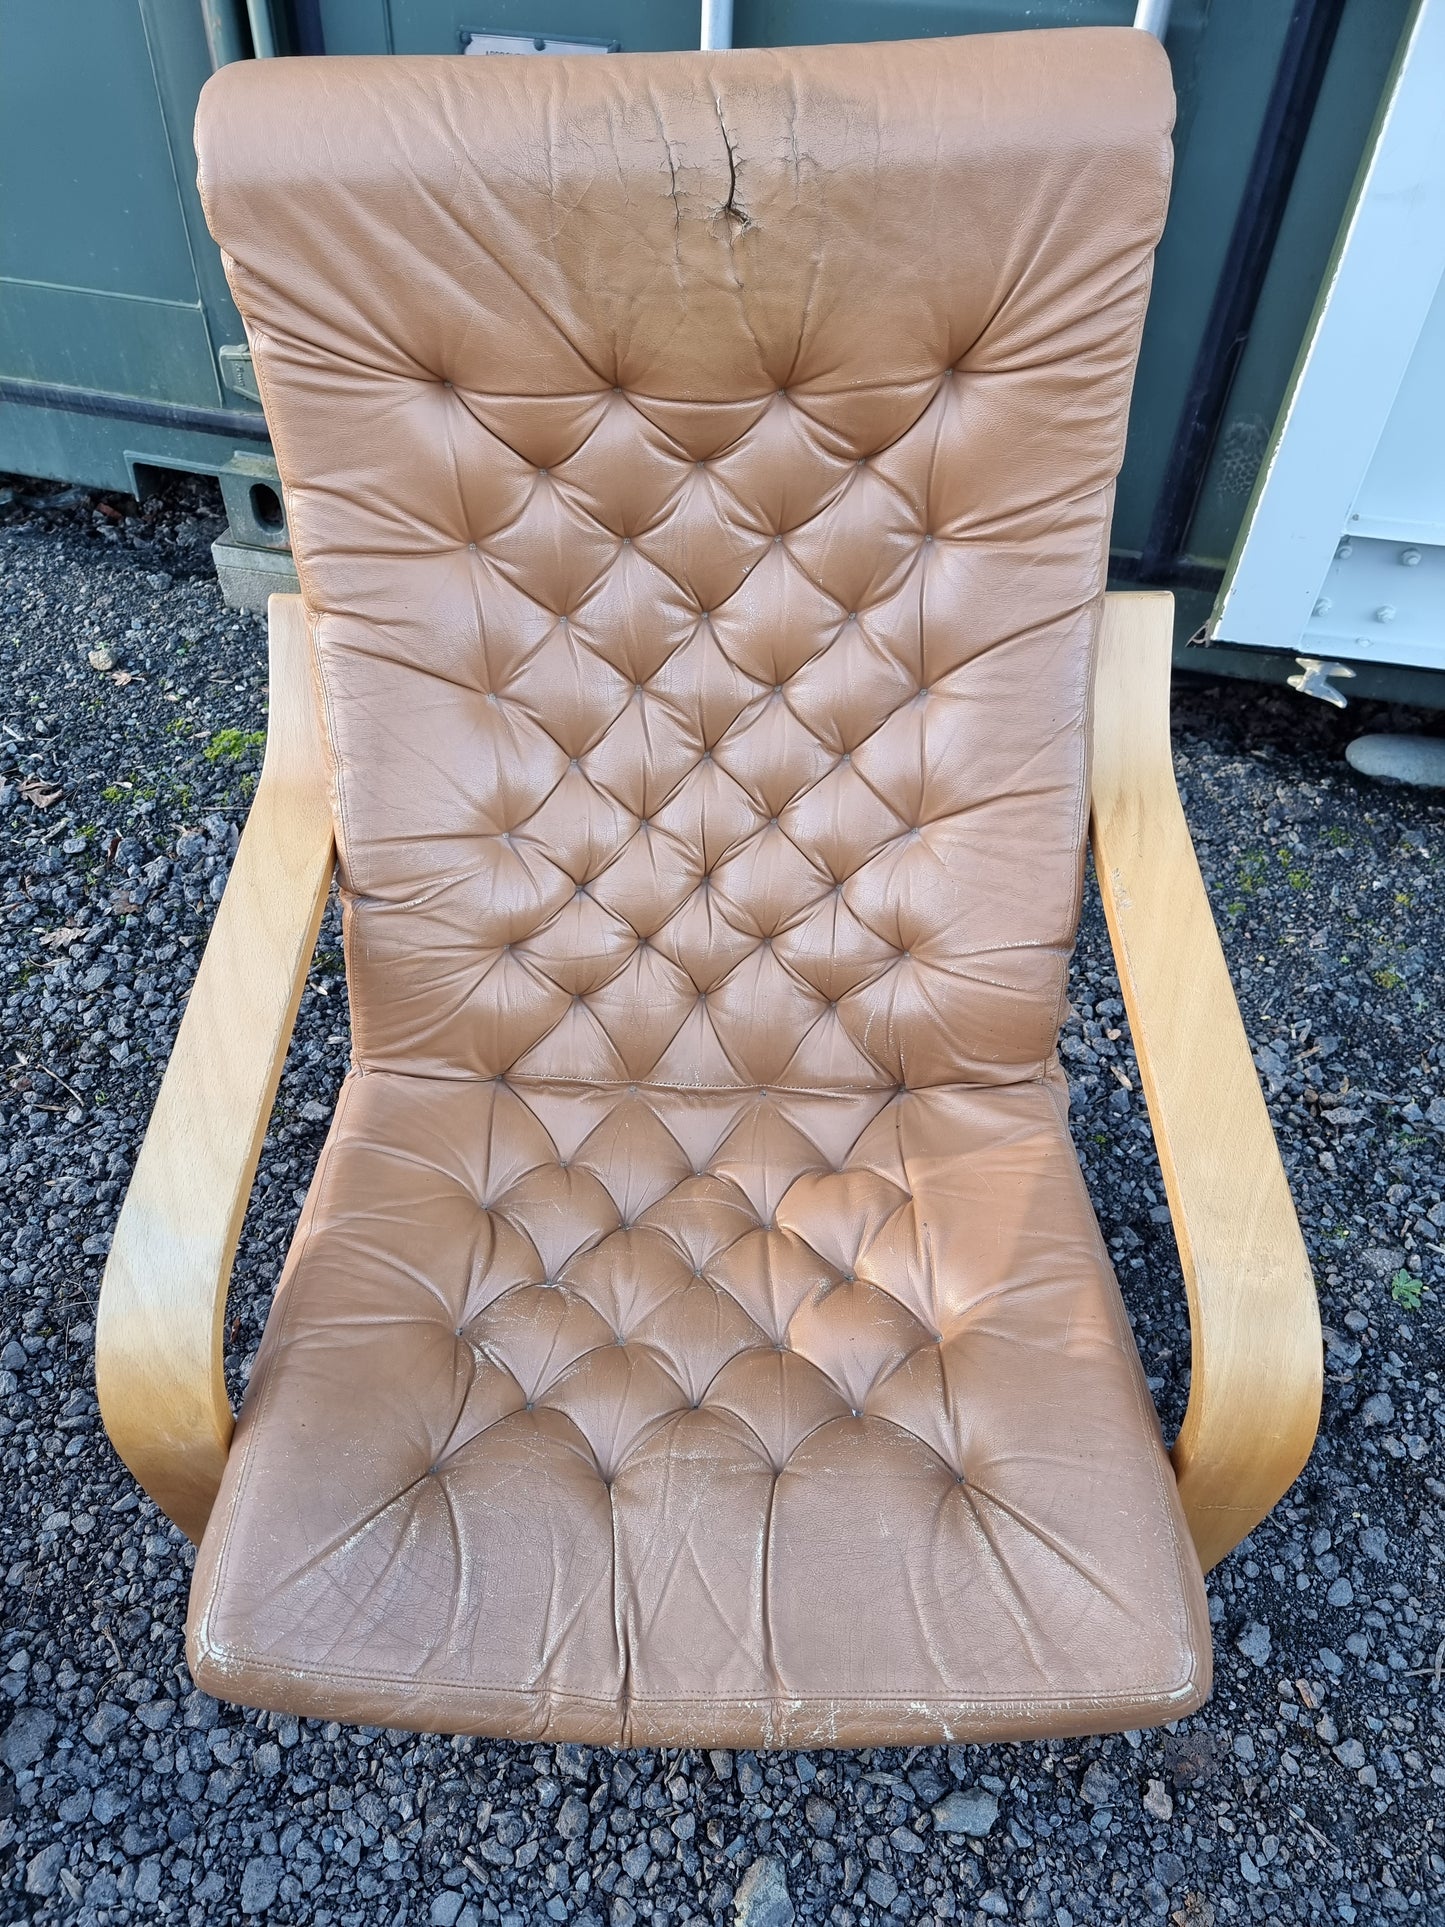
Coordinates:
x,y
698,1418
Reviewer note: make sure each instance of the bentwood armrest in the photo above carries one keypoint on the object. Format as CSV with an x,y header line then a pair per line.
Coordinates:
x,y
159,1363
1256,1370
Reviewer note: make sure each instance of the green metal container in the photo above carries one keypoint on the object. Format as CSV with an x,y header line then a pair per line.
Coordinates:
x,y
115,320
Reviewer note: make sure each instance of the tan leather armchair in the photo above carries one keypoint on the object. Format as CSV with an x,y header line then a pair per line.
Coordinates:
x,y
699,471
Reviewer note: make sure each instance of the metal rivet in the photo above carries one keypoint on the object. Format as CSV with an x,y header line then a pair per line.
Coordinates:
x,y
1409,558
1385,613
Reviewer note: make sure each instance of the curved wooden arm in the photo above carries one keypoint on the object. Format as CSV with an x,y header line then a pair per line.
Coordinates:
x,y
1256,1372
158,1342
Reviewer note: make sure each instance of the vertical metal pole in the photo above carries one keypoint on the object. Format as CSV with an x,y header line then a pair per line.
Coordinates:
x,y
263,32
226,32
717,24
1152,16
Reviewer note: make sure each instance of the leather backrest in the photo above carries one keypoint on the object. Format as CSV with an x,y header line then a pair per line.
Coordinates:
x,y
699,471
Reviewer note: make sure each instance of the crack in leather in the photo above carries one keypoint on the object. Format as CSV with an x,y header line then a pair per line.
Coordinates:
x,y
697,1328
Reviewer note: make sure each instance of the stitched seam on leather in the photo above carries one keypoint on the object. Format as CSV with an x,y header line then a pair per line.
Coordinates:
x,y
342,816
341,819
229,1657
1081,815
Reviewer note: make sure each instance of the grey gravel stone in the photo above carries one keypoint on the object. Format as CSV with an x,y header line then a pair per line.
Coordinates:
x,y
260,1879
1098,1786
882,1888
762,1897
26,1737
42,1872
1255,1643
573,1818
971,1810
821,1816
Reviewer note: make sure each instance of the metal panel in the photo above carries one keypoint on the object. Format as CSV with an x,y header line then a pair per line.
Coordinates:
x,y
128,344
1403,493
1366,49
80,127
1293,584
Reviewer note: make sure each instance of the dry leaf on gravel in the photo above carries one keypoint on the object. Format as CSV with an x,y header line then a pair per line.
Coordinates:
x,y
36,790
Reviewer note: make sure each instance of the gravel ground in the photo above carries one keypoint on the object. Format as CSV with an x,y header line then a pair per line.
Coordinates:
x,y
1312,1786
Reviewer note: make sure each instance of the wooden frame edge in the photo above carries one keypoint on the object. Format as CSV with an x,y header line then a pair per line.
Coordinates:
x,y
159,1335
1256,1354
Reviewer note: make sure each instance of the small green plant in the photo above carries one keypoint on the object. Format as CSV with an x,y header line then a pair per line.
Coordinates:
x,y
1338,839
232,745
1388,978
1253,868
1406,1290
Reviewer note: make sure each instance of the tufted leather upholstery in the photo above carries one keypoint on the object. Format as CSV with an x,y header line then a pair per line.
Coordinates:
x,y
699,472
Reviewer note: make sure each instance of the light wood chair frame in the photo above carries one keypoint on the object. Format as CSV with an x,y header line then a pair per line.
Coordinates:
x,y
1256,1368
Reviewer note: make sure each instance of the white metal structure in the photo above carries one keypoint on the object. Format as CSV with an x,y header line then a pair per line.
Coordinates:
x,y
1342,556
717,24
